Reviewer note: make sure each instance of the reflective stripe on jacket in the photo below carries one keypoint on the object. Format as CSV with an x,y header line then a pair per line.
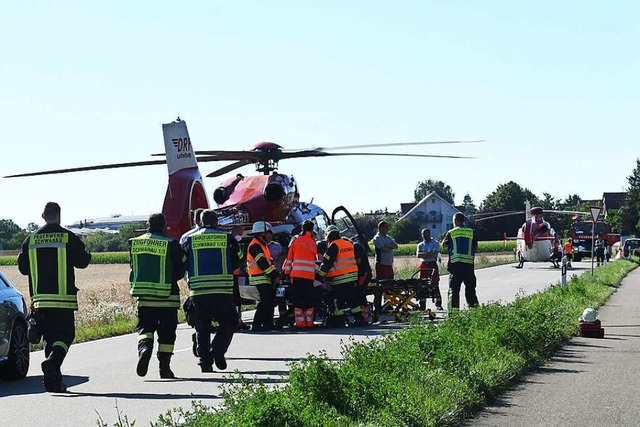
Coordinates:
x,y
258,276
302,257
461,246
209,262
344,268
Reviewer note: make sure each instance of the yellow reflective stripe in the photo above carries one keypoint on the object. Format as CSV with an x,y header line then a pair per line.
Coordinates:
x,y
145,336
61,344
269,270
33,270
163,269
225,270
260,255
462,232
260,279
165,348
62,271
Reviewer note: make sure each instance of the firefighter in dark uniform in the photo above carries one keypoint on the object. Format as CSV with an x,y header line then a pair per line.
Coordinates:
x,y
49,257
157,263
340,271
262,275
212,256
364,278
461,244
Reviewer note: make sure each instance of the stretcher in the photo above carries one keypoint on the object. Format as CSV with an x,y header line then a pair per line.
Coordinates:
x,y
401,296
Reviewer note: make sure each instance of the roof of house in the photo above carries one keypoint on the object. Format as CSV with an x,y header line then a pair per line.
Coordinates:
x,y
613,200
424,199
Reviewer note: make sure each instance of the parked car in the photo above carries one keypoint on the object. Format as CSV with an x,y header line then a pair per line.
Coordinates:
x,y
14,343
630,246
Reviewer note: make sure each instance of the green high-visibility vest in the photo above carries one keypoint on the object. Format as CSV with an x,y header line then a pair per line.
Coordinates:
x,y
151,269
461,247
210,267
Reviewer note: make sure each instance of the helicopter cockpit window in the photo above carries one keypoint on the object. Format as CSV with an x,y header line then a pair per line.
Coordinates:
x,y
321,223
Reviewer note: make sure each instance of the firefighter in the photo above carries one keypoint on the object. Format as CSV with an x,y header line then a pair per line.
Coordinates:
x,y
49,257
262,275
600,246
340,270
568,251
212,256
157,263
461,244
301,268
364,278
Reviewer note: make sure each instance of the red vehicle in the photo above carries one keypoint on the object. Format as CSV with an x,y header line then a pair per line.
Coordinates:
x,y
581,233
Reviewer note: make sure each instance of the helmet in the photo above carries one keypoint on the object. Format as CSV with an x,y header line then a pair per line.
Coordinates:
x,y
589,315
330,229
260,227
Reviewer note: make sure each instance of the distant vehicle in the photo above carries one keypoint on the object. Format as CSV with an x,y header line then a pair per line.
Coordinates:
x,y
581,234
630,245
14,344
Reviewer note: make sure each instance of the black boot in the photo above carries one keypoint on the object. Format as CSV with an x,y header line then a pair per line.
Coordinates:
x,y
145,350
165,369
52,378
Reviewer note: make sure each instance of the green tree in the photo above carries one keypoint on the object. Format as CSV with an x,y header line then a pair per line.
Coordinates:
x,y
406,230
630,214
8,229
469,206
505,198
426,187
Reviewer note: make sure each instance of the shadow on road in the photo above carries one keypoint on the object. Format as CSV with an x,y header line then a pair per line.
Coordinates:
x,y
150,396
33,385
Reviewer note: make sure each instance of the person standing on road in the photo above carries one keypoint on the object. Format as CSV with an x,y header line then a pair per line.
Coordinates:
x,y
49,257
262,275
599,247
384,246
340,270
212,256
364,278
461,244
157,263
428,251
301,262
568,251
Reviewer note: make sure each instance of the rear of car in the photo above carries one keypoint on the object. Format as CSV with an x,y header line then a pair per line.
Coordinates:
x,y
630,247
14,343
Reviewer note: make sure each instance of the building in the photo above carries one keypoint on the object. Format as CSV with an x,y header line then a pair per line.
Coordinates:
x,y
612,202
109,224
432,212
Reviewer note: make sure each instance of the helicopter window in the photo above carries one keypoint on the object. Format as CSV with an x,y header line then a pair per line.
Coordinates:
x,y
322,225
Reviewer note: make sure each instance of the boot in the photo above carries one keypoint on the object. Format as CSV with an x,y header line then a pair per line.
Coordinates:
x,y
165,369
52,378
145,349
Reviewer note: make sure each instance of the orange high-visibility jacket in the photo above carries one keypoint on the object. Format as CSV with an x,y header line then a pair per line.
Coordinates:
x,y
568,248
346,261
302,257
257,275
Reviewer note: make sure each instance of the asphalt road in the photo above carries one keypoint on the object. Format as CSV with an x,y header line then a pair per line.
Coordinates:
x,y
102,380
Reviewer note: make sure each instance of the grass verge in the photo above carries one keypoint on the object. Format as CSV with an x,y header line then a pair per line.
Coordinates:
x,y
421,376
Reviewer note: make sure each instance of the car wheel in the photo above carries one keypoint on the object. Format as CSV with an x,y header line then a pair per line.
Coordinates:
x,y
17,364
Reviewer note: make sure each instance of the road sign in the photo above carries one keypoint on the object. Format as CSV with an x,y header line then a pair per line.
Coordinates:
x,y
595,213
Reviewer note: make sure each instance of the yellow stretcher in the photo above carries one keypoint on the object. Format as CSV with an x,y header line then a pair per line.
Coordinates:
x,y
400,296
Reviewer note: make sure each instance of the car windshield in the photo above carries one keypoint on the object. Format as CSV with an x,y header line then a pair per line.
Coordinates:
x,y
632,244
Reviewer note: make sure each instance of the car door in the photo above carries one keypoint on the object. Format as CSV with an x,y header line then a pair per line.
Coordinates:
x,y
348,226
5,305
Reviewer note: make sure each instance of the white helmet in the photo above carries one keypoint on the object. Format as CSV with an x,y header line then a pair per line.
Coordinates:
x,y
589,315
260,227
331,229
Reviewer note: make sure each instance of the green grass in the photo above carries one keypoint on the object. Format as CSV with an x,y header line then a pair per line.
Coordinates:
x,y
483,247
96,258
421,376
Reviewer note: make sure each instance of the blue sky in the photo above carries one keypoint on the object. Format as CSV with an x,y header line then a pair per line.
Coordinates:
x,y
551,86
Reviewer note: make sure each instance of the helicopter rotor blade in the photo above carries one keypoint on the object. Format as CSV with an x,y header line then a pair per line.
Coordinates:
x,y
90,168
229,168
499,216
392,144
323,154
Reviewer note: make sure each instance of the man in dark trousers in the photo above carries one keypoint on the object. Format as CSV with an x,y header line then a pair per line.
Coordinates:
x,y
262,275
212,256
461,244
49,257
157,263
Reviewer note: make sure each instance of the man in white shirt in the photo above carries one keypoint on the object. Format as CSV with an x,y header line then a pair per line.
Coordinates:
x,y
427,251
384,246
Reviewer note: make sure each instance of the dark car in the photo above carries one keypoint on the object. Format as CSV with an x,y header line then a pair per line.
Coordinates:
x,y
630,246
14,343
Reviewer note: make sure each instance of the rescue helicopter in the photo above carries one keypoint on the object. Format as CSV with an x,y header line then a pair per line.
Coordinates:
x,y
535,239
268,196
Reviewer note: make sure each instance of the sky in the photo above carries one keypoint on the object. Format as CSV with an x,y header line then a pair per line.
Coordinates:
x,y
552,88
